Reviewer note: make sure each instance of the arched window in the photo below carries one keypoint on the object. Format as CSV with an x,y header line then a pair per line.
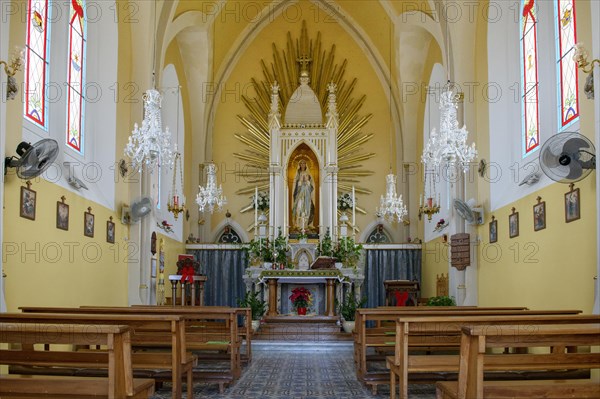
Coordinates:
x,y
378,236
75,77
229,236
529,76
566,37
37,61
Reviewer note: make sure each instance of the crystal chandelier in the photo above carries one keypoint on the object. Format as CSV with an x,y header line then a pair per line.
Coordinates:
x,y
450,144
149,145
391,207
211,195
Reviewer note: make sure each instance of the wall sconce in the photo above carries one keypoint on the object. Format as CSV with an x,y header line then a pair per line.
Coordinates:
x,y
10,68
580,58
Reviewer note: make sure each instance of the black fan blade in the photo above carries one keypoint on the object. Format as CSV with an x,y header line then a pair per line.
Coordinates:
x,y
575,171
574,145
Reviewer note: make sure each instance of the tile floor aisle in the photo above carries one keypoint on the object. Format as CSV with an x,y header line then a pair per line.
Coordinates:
x,y
299,371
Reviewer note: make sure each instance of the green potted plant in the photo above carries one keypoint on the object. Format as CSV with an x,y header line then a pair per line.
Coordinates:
x,y
260,251
257,306
325,247
347,252
347,309
441,301
280,249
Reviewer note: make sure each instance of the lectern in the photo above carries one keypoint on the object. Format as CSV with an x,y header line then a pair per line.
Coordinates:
x,y
401,292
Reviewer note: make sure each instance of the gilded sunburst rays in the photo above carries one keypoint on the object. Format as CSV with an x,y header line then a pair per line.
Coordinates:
x,y
285,70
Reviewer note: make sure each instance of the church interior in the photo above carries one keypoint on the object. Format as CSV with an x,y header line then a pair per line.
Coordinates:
x,y
194,166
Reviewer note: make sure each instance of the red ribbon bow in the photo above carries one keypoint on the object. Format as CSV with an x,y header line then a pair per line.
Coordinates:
x,y
401,298
187,274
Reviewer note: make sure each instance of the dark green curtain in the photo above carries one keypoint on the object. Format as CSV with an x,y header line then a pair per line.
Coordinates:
x,y
225,271
388,264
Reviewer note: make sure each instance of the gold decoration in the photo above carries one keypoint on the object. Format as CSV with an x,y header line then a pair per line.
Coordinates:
x,y
310,56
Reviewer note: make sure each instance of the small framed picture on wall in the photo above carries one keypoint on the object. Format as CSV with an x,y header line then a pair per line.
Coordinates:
x,y
493,230
513,224
28,202
88,223
110,231
539,215
572,204
62,214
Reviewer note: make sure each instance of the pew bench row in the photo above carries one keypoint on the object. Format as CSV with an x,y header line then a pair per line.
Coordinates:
x,y
119,382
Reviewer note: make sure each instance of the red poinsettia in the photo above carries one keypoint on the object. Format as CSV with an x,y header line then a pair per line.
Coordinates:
x,y
300,297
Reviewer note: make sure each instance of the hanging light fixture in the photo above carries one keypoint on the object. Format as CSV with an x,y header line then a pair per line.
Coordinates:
x,y
149,145
176,203
431,206
449,145
391,207
211,196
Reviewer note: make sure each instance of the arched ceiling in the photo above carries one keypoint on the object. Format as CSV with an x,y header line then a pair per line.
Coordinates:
x,y
231,24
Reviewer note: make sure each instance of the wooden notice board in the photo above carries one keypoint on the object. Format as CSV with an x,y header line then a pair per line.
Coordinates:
x,y
460,250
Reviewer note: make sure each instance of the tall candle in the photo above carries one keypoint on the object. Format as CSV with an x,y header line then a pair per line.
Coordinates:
x,y
255,210
353,211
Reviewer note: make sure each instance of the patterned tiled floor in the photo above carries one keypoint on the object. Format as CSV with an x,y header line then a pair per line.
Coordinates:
x,y
299,371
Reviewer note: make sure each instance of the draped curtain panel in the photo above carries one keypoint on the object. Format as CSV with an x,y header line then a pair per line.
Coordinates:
x,y
225,271
388,264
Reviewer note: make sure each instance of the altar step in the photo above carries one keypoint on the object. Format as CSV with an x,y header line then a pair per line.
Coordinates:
x,y
301,329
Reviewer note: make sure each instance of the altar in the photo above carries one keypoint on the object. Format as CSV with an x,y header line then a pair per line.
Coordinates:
x,y
326,285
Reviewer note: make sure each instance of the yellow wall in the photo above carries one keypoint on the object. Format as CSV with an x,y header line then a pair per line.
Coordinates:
x,y
52,267
435,262
230,105
548,269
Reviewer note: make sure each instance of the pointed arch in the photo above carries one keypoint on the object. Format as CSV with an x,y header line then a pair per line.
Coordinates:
x,y
529,78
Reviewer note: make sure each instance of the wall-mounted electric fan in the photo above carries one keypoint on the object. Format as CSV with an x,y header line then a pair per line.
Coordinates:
x,y
567,157
33,159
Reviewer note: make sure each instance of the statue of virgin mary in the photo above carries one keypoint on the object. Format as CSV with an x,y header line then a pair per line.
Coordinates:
x,y
303,209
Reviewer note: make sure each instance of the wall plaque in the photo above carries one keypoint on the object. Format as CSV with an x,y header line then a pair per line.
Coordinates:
x,y
460,250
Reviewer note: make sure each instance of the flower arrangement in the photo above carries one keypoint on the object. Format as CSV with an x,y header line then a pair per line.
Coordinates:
x,y
301,297
344,202
441,225
262,203
165,226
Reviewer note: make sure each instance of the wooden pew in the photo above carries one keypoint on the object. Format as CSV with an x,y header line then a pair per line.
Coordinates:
x,y
244,333
146,330
414,332
196,340
381,338
474,359
117,359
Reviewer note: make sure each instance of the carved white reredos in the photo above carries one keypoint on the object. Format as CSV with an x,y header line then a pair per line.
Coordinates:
x,y
303,124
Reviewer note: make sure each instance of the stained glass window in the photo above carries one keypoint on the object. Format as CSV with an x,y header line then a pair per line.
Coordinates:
x,y
36,61
566,37
75,76
529,73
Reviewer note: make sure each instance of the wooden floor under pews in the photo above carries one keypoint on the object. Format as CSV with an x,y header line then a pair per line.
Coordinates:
x,y
156,352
